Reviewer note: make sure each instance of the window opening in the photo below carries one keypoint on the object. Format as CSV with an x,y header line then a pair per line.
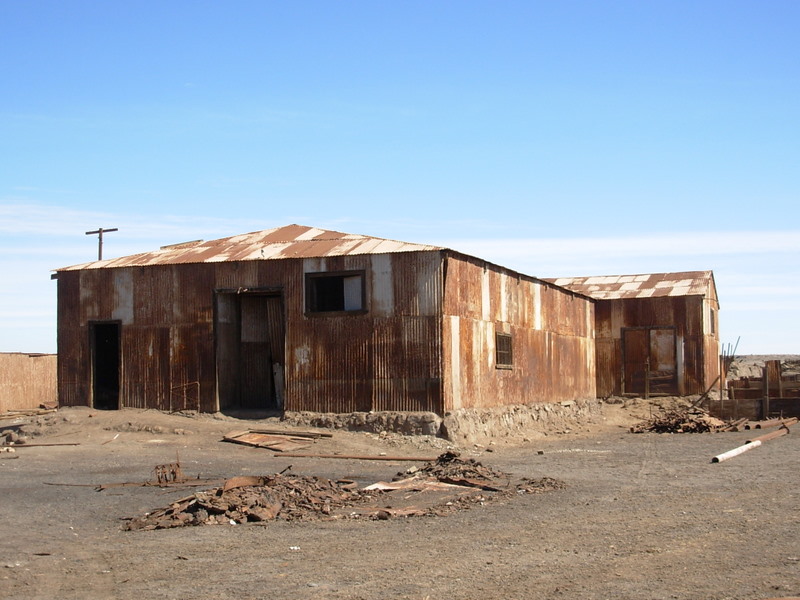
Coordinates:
x,y
503,351
335,292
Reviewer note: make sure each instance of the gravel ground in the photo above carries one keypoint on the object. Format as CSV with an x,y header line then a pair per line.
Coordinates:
x,y
641,516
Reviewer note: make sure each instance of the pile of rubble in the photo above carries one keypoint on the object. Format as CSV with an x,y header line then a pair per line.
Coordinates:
x,y
450,468
248,499
688,420
436,489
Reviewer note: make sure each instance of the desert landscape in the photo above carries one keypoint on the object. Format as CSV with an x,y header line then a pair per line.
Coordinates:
x,y
590,512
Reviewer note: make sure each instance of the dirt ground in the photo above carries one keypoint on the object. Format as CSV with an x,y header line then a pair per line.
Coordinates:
x,y
640,516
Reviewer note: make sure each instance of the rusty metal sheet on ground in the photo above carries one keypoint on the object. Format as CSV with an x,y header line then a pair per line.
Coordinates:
x,y
278,443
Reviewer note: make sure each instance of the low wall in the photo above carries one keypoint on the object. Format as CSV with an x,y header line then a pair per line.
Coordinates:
x,y
470,426
407,423
27,380
465,426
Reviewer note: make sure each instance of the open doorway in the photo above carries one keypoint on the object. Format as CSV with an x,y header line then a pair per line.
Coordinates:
x,y
249,329
105,365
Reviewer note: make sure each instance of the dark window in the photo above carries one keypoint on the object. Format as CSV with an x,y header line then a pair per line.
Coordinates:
x,y
335,292
503,354
713,321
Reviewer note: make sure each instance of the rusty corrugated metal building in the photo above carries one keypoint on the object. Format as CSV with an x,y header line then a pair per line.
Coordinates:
x,y
656,333
298,318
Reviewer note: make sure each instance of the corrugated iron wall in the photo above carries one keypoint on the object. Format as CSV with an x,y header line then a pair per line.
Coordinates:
x,y
385,359
388,358
551,331
26,380
698,348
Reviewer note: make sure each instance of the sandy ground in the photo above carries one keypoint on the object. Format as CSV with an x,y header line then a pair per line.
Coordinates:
x,y
641,516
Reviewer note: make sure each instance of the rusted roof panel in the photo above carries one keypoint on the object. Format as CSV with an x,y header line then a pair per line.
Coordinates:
x,y
615,287
291,241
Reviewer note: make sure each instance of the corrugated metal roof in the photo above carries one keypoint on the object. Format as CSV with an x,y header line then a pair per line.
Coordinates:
x,y
614,287
290,241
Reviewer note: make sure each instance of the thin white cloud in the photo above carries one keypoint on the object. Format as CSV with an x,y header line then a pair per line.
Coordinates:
x,y
661,244
754,270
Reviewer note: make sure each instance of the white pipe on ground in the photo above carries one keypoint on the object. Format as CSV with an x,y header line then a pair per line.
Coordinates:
x,y
736,451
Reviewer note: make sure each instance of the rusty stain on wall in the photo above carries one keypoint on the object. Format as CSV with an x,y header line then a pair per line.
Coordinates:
x,y
190,319
655,333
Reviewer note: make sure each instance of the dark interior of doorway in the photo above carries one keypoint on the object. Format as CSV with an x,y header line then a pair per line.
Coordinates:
x,y
105,366
250,349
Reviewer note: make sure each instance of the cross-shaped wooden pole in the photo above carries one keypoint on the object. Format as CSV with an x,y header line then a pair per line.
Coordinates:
x,y
99,233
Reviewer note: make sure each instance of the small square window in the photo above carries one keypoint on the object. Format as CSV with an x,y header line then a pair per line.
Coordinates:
x,y
503,352
335,292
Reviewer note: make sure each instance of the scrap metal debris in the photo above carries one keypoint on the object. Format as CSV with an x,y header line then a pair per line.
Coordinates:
x,y
270,439
449,465
439,488
690,420
169,473
241,500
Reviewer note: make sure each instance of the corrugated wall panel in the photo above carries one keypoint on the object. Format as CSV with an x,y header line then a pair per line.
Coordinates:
x,y
374,361
27,380
684,313
153,296
73,341
551,334
146,367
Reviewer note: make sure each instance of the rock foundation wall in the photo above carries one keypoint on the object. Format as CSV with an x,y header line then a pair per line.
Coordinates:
x,y
465,426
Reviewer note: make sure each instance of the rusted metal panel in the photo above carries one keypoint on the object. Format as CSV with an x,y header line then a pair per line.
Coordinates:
x,y
96,294
616,287
292,241
153,296
73,340
551,333
696,353
145,381
361,363
193,295
608,352
191,377
27,380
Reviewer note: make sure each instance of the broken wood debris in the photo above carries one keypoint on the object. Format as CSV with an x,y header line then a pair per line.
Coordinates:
x,y
690,420
241,500
359,457
26,412
26,445
450,466
293,497
168,473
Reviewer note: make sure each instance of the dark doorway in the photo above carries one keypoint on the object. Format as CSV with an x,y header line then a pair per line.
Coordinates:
x,y
650,361
105,365
249,329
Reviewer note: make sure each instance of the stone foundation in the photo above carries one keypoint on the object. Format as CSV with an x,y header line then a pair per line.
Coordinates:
x,y
406,423
518,422
464,426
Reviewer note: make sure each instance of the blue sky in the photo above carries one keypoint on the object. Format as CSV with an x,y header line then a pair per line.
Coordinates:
x,y
555,138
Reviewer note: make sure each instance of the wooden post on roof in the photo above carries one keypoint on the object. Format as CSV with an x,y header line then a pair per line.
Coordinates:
x,y
99,233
